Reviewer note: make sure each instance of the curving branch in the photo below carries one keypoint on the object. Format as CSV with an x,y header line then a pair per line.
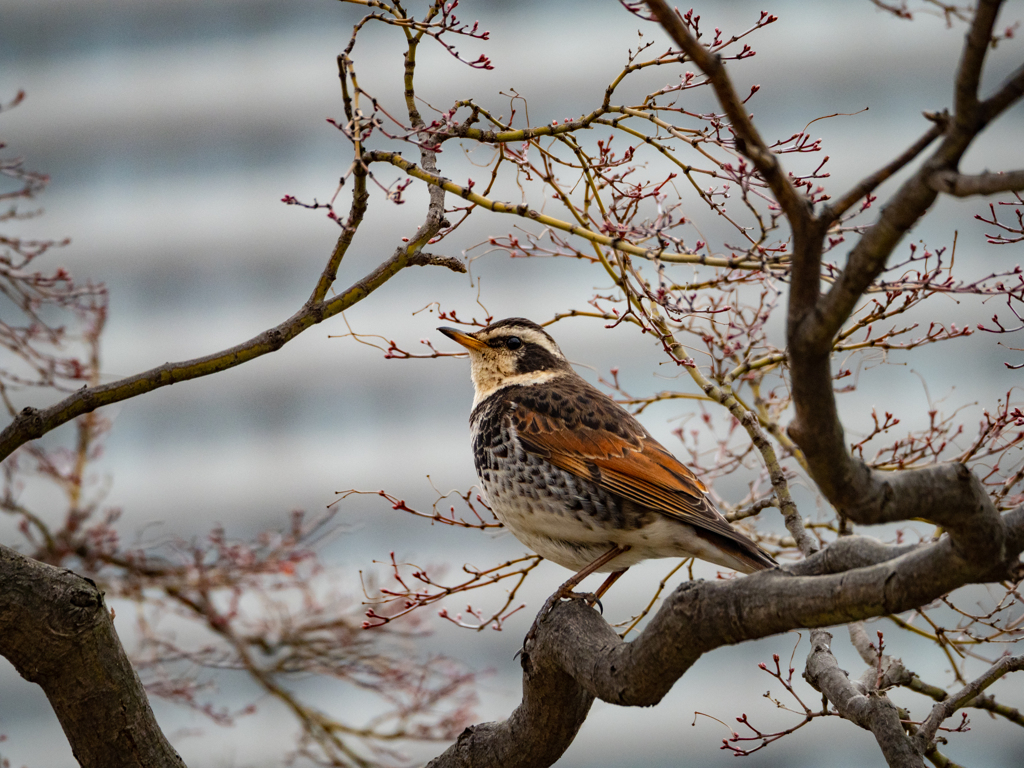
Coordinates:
x,y
861,495
57,631
867,708
1007,95
576,656
963,185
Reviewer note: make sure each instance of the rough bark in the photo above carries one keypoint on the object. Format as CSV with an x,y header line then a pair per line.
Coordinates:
x,y
575,654
870,709
57,632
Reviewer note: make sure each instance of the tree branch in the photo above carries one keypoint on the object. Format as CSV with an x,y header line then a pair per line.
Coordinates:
x,y
963,698
748,140
972,60
962,185
33,423
868,185
1008,94
575,652
438,182
869,709
56,631
861,495
815,331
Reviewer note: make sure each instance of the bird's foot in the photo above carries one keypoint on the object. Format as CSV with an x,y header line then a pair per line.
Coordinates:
x,y
590,598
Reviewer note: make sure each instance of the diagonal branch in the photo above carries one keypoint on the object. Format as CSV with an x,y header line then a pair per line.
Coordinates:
x,y
808,230
868,185
56,631
33,423
1008,94
942,710
748,140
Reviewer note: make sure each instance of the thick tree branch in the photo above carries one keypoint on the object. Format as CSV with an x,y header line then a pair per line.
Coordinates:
x,y
859,494
867,708
57,632
576,653
962,185
813,331
972,60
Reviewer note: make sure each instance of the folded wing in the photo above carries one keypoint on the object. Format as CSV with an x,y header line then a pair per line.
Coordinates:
x,y
620,456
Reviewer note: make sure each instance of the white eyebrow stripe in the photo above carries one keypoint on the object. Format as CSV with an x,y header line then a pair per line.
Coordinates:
x,y
529,336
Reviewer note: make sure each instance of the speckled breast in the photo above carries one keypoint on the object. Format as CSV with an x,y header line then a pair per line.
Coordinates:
x,y
563,518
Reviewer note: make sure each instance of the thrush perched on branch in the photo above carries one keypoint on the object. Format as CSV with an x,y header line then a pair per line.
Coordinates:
x,y
573,475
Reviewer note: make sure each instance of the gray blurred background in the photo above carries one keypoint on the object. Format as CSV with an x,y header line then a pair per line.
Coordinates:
x,y
171,130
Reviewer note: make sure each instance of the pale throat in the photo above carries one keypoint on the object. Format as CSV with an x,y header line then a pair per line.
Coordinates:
x,y
487,380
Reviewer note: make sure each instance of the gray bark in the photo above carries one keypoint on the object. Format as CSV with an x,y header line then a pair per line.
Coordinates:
x,y
57,632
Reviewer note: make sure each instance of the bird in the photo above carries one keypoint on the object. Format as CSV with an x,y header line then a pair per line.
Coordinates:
x,y
573,475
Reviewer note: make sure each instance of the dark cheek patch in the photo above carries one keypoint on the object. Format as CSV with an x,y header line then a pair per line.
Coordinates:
x,y
535,358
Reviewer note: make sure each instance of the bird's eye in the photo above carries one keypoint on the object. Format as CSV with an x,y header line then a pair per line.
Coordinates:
x,y
513,342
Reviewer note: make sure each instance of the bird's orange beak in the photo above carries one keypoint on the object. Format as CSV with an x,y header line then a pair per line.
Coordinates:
x,y
468,340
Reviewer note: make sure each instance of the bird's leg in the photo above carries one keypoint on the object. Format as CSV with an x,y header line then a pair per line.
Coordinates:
x,y
565,591
612,578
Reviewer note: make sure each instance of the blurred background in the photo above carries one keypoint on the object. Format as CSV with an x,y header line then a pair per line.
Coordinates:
x,y
172,129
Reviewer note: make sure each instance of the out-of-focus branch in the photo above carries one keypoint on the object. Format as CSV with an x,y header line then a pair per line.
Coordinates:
x,y
33,423
964,697
972,59
868,185
57,631
964,185
1008,94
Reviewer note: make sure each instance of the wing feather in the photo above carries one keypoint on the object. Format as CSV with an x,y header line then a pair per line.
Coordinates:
x,y
613,450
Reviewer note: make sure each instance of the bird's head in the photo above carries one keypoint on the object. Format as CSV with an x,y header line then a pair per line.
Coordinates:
x,y
510,352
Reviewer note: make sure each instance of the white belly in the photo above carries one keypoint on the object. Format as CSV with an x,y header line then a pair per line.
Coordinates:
x,y
573,541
